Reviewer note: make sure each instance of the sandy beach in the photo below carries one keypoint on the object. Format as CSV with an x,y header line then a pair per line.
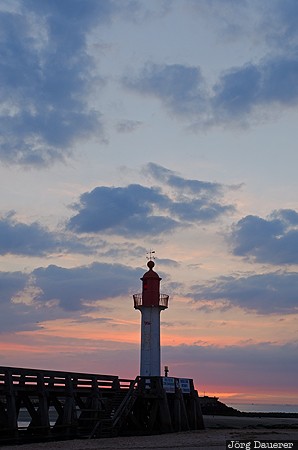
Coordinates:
x,y
218,430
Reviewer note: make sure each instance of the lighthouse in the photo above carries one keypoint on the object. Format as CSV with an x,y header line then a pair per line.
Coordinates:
x,y
150,302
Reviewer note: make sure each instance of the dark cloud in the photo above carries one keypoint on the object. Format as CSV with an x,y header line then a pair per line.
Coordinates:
x,y
198,210
238,95
126,211
45,76
74,288
273,240
14,316
237,91
10,284
21,314
194,200
170,178
136,210
35,240
181,88
241,90
53,292
270,293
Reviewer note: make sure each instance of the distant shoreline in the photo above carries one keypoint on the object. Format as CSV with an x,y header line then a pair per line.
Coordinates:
x,y
269,414
213,406
264,407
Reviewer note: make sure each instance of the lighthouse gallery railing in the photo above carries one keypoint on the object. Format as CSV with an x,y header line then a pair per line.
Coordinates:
x,y
163,300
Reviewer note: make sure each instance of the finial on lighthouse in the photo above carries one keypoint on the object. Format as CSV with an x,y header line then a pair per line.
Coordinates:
x,y
150,264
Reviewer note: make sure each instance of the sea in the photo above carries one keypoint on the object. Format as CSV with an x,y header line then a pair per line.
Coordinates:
x,y
260,407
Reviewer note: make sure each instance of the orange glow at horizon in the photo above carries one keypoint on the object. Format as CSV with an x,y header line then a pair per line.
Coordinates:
x,y
252,397
119,332
128,331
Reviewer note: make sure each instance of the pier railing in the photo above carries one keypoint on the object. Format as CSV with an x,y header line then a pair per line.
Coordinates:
x,y
52,404
39,405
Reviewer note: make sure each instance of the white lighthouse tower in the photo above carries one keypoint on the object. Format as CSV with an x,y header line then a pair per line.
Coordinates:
x,y
150,302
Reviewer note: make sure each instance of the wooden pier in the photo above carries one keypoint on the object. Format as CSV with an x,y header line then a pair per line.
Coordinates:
x,y
40,405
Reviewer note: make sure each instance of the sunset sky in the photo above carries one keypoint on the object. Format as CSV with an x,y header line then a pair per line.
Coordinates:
x,y
130,125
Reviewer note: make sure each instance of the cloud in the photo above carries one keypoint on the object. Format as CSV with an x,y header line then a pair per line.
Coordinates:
x,y
237,91
241,90
127,211
170,178
238,365
264,23
120,250
15,316
45,77
53,292
137,210
273,240
271,293
168,262
193,200
128,126
238,97
241,94
73,288
179,87
10,284
277,23
20,314
35,240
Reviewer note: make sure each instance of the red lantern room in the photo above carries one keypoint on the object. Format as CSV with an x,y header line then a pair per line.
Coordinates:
x,y
150,292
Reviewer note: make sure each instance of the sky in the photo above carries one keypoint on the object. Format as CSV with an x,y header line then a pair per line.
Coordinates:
x,y
171,125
